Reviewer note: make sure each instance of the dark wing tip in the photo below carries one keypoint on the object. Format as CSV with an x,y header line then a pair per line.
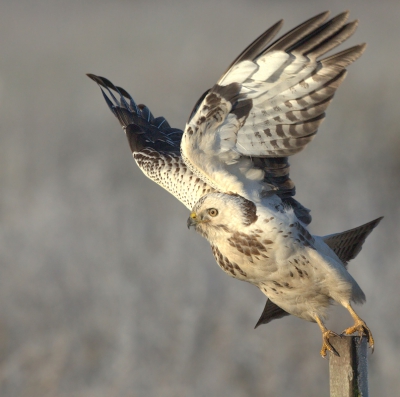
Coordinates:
x,y
93,77
141,128
97,79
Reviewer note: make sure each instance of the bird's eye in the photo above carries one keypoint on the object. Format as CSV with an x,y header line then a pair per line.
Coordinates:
x,y
212,212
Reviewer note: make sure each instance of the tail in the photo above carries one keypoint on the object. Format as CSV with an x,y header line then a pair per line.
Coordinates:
x,y
348,244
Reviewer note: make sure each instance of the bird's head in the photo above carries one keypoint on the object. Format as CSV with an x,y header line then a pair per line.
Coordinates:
x,y
221,212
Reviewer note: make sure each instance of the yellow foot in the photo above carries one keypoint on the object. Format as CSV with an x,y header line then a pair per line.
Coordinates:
x,y
362,329
326,345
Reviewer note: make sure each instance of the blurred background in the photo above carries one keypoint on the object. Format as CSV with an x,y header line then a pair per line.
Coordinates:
x,y
103,290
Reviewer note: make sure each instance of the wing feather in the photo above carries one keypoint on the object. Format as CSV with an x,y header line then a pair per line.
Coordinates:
x,y
154,145
257,46
268,104
305,31
265,107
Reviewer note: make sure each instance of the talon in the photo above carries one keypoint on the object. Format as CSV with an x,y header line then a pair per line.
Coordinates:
x,y
326,345
359,326
362,329
326,334
334,351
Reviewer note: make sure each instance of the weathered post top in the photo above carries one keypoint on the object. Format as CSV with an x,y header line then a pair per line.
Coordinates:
x,y
348,374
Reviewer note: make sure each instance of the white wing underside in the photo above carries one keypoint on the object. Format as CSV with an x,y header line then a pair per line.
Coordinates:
x,y
270,106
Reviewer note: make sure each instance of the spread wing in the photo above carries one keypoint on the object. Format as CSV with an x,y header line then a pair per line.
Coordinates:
x,y
154,144
267,106
156,148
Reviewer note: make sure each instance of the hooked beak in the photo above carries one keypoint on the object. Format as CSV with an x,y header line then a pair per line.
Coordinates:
x,y
192,220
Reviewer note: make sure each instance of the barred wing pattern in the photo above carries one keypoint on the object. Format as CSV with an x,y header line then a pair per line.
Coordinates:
x,y
269,104
154,144
156,149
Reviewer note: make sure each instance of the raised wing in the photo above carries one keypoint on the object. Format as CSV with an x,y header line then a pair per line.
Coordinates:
x,y
268,105
156,148
154,144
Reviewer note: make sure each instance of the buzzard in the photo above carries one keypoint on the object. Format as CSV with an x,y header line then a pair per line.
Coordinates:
x,y
230,168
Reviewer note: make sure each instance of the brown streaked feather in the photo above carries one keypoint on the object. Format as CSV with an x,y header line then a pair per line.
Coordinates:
x,y
225,264
346,245
196,106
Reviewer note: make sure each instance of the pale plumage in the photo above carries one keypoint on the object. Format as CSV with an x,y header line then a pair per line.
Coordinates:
x,y
230,165
273,251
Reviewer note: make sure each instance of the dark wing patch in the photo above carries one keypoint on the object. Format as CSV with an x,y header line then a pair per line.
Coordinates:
x,y
142,129
276,173
196,106
347,245
154,144
271,312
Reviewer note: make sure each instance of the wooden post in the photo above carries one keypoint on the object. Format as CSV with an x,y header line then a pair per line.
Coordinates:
x,y
349,373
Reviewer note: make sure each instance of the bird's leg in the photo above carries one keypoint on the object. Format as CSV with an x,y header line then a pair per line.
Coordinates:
x,y
326,334
359,326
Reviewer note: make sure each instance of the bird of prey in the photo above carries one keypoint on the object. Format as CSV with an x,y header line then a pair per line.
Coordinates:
x,y
230,168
